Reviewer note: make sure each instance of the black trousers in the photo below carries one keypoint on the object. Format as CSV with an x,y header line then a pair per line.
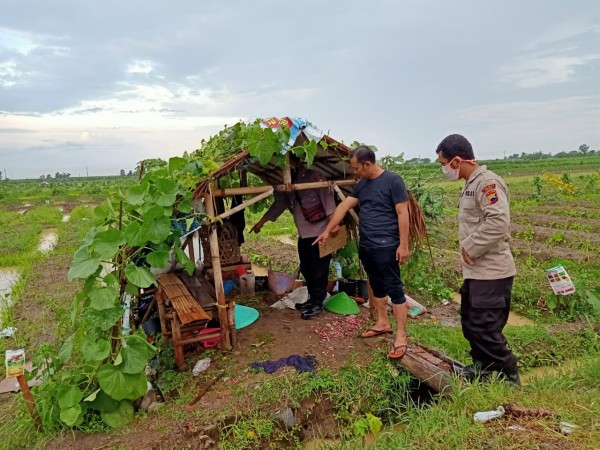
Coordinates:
x,y
314,269
484,309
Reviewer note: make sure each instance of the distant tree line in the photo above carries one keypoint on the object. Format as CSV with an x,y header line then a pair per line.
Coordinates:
x,y
584,150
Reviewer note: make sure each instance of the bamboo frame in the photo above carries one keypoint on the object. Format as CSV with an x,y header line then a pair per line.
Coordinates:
x,y
342,197
250,190
218,277
245,204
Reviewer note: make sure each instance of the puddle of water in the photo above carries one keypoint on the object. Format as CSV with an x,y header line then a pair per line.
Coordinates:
x,y
545,371
48,240
8,278
66,217
370,439
514,319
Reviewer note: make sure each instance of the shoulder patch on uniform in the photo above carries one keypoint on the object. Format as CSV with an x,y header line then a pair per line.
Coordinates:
x,y
492,196
489,187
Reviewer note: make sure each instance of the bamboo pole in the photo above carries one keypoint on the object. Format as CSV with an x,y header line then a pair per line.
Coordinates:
x,y
342,197
245,204
287,170
251,190
218,276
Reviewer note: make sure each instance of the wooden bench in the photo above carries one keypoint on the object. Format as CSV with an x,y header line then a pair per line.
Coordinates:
x,y
181,316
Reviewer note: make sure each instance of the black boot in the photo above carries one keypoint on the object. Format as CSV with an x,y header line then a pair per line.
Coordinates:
x,y
511,375
304,306
315,309
473,372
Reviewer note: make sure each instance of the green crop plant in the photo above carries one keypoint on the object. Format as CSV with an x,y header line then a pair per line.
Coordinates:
x,y
557,238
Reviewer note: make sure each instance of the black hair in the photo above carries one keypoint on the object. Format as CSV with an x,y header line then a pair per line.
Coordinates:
x,y
363,154
456,145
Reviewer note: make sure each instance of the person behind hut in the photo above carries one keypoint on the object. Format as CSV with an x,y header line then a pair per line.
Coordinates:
x,y
383,232
487,262
311,209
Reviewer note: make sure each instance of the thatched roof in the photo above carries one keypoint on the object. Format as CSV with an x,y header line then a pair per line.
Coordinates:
x,y
332,163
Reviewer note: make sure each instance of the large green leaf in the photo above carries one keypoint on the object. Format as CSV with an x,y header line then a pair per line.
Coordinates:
x,y
311,151
176,163
134,235
64,354
104,213
156,230
104,298
105,319
107,243
155,212
85,263
158,258
68,396
140,276
263,144
185,206
135,355
165,192
103,402
135,196
184,260
95,349
70,415
119,385
120,416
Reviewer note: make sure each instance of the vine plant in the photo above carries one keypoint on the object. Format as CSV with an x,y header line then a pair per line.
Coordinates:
x,y
98,371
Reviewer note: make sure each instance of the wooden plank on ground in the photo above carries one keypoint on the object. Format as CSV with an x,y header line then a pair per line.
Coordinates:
x,y
433,371
188,309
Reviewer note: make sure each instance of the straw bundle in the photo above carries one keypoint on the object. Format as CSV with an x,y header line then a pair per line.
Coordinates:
x,y
417,228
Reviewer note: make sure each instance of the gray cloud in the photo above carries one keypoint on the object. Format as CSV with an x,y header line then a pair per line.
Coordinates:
x,y
400,75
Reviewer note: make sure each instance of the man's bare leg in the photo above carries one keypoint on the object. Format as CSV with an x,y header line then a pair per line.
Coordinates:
x,y
382,322
400,313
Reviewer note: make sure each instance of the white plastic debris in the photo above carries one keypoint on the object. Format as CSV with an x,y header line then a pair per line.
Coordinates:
x,y
567,427
298,295
201,366
8,332
485,416
445,302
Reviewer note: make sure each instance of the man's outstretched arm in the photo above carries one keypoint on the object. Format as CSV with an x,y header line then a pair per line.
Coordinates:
x,y
338,215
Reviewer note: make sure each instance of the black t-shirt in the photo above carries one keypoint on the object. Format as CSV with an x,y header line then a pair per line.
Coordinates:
x,y
378,218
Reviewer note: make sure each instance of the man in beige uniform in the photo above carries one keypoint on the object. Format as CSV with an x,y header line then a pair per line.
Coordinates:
x,y
488,265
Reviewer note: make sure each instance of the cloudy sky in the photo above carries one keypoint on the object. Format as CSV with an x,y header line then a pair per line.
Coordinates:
x,y
105,84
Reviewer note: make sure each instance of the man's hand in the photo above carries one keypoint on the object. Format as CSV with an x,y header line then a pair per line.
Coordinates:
x,y
256,228
335,230
466,258
322,238
402,254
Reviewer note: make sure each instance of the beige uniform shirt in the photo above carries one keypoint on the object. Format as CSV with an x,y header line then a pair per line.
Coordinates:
x,y
484,226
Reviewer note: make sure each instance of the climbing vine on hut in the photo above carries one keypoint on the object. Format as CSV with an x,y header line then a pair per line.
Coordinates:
x,y
99,369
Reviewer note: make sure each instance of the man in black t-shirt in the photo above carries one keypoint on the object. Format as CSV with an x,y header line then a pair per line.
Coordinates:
x,y
383,227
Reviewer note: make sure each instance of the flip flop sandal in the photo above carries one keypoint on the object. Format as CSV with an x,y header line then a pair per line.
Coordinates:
x,y
398,351
373,332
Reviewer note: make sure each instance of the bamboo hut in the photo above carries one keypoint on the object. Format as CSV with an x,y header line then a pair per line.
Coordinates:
x,y
221,253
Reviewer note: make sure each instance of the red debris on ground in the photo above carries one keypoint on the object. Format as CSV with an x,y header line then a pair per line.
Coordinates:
x,y
339,327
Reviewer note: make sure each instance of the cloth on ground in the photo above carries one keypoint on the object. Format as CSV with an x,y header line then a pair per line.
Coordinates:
x,y
301,363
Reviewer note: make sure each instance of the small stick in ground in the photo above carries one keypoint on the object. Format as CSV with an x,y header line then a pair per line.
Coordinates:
x,y
204,390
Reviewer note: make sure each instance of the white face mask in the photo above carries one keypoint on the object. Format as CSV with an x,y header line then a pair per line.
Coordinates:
x,y
451,174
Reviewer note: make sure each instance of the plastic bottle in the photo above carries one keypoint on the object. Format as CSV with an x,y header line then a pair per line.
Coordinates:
x,y
485,416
